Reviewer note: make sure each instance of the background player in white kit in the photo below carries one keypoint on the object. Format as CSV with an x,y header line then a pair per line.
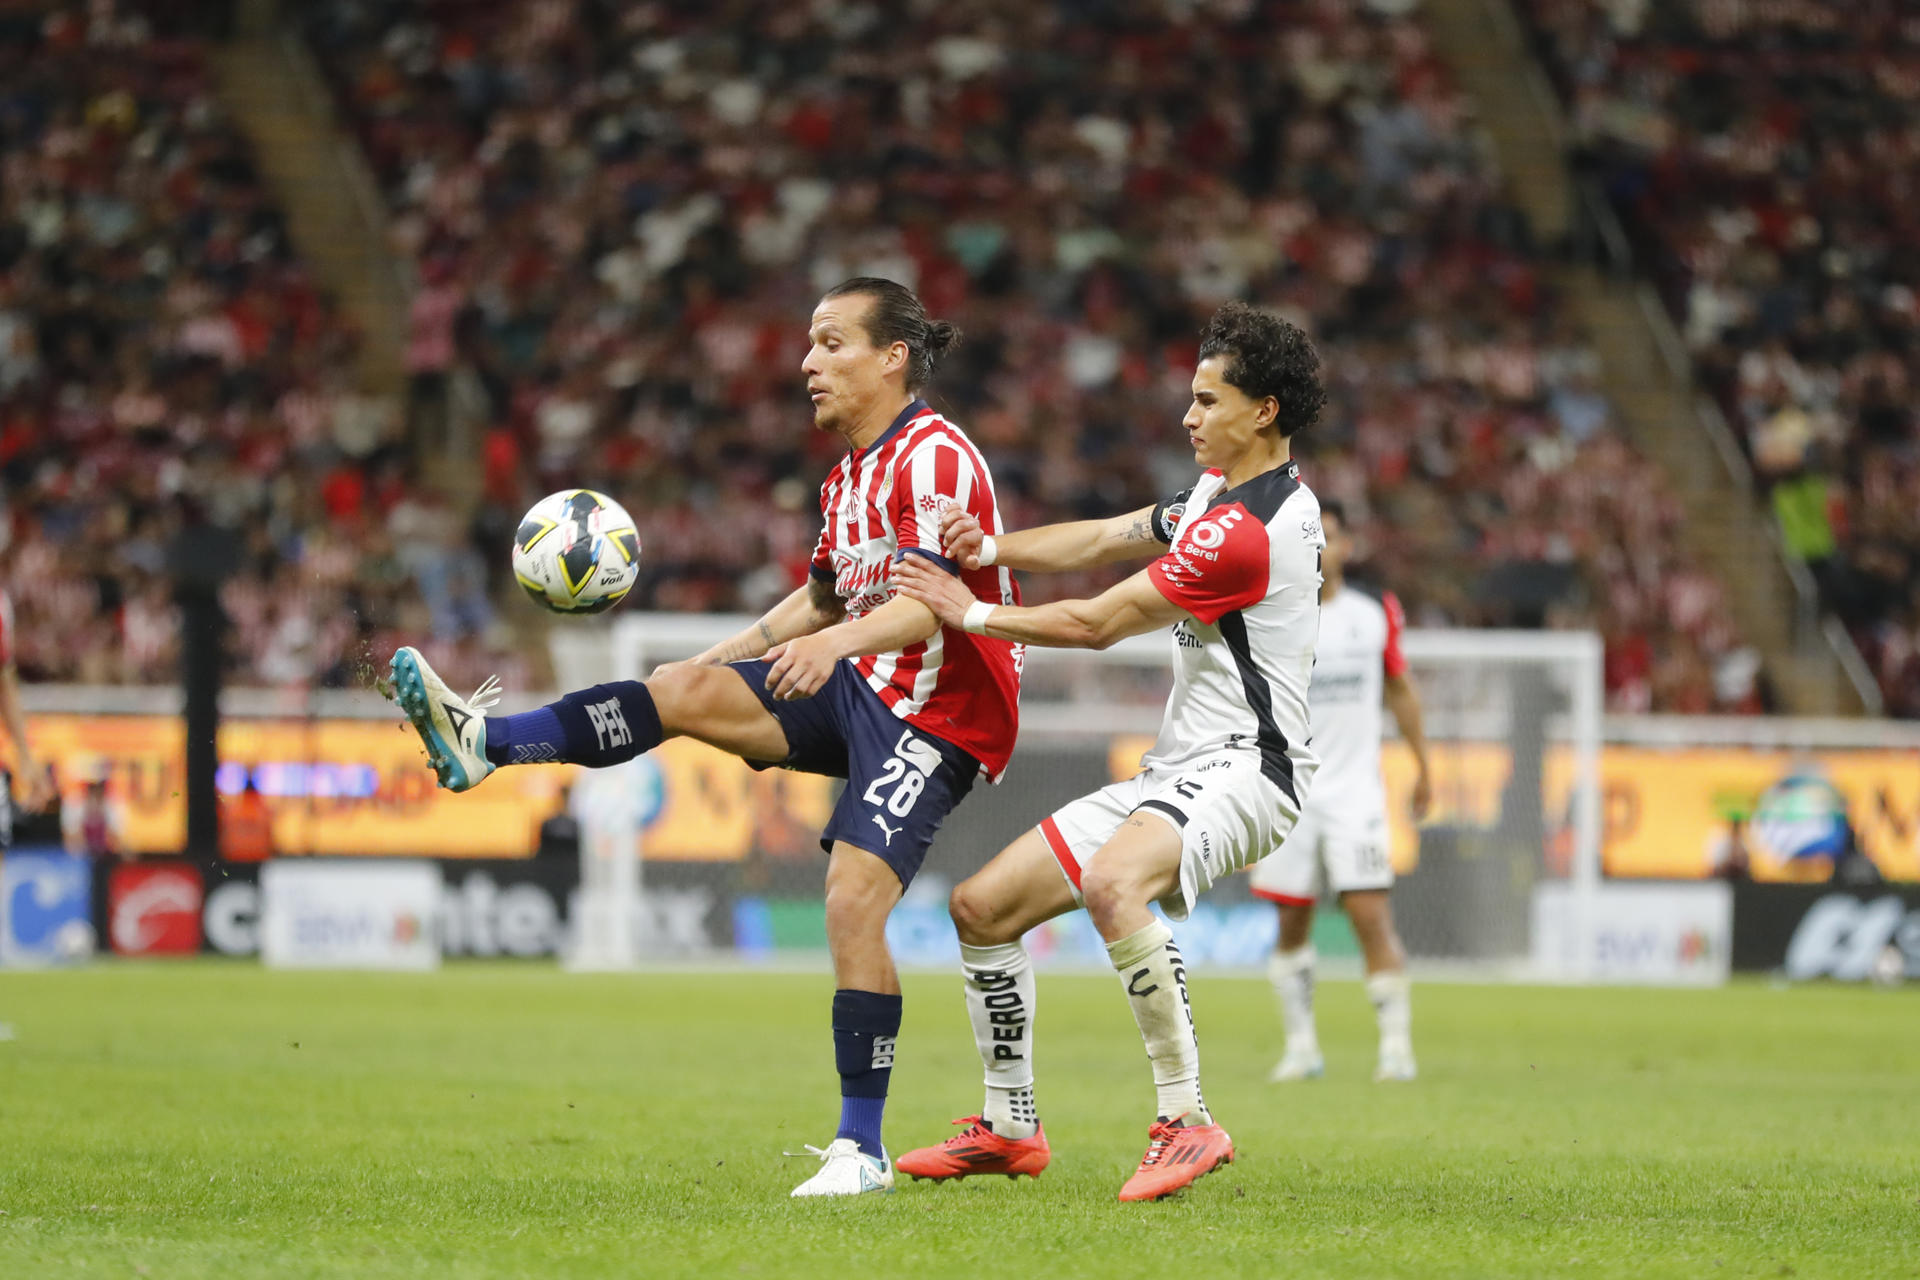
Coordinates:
x,y
1239,586
1340,843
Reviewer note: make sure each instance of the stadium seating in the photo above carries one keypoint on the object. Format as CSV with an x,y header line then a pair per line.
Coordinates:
x,y
626,214
165,358
1761,158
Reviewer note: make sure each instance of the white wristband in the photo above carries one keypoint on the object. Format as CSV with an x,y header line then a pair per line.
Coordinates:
x,y
989,550
976,619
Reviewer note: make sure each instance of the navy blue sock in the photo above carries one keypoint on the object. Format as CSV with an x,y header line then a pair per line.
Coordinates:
x,y
865,1026
607,724
528,738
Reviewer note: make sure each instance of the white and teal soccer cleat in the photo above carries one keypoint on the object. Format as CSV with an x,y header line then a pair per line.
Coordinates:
x,y
1396,1066
846,1170
454,729
1298,1064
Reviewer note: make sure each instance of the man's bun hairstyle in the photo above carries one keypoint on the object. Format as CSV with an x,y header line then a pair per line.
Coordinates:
x,y
1267,356
898,315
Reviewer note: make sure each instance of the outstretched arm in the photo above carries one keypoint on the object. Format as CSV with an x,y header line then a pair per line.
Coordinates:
x,y
1054,548
1132,608
802,665
810,608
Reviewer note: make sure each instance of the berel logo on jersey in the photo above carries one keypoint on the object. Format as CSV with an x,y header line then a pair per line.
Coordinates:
x,y
1212,531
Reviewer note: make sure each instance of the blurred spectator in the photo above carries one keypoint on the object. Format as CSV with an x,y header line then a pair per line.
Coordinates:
x,y
161,344
96,829
1762,158
1729,858
639,204
559,834
246,826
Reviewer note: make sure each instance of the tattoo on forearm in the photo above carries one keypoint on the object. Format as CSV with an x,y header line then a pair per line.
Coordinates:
x,y
766,633
1141,530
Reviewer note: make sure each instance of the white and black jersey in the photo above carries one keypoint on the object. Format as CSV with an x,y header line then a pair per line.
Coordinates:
x,y
1245,564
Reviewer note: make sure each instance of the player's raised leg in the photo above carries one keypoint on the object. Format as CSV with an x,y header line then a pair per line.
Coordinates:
x,y
992,910
1387,984
603,725
1140,864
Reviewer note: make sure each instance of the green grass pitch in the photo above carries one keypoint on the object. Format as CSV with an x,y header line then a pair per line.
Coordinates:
x,y
217,1119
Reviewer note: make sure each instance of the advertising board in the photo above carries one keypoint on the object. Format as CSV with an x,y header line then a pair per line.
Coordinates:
x,y
335,914
1650,932
45,903
349,787
154,908
1817,931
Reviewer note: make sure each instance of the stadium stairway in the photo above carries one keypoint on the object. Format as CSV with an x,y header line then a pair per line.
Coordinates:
x,y
335,215
268,82
1647,373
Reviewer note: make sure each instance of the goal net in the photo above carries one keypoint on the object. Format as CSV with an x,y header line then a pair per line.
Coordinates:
x,y
1492,883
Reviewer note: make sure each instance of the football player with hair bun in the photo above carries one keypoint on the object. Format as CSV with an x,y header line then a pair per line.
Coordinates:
x,y
844,677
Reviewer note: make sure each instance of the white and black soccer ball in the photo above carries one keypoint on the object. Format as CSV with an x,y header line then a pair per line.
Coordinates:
x,y
577,551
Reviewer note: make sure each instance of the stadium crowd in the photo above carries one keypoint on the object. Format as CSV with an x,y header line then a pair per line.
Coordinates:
x,y
620,215
1764,158
166,359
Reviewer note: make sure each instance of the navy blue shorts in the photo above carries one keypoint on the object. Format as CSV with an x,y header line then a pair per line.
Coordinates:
x,y
901,782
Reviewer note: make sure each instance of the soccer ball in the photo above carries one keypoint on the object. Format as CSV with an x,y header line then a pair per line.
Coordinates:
x,y
577,551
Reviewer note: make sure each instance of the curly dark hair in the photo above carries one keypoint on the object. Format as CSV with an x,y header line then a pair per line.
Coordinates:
x,y
1269,357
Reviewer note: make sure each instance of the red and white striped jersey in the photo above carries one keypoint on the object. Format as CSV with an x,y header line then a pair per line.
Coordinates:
x,y
883,502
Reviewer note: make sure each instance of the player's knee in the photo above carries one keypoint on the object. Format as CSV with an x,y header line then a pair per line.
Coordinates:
x,y
674,689
859,904
1371,916
1111,892
974,917
682,694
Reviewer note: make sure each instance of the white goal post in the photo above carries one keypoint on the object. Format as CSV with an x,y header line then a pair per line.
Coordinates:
x,y
1513,717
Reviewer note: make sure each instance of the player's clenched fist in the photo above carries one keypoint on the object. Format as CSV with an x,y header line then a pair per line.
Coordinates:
x,y
934,587
961,534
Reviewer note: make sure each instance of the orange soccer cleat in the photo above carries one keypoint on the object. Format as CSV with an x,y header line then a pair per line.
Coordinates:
x,y
1177,1156
978,1149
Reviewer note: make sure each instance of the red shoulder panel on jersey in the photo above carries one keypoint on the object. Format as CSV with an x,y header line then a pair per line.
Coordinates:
x,y
1222,562
1394,661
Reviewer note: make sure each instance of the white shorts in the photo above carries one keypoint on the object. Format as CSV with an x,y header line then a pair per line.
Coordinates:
x,y
1322,856
1228,814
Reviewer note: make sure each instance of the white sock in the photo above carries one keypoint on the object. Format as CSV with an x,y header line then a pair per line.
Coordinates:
x,y
1156,981
1392,996
1291,973
1000,996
